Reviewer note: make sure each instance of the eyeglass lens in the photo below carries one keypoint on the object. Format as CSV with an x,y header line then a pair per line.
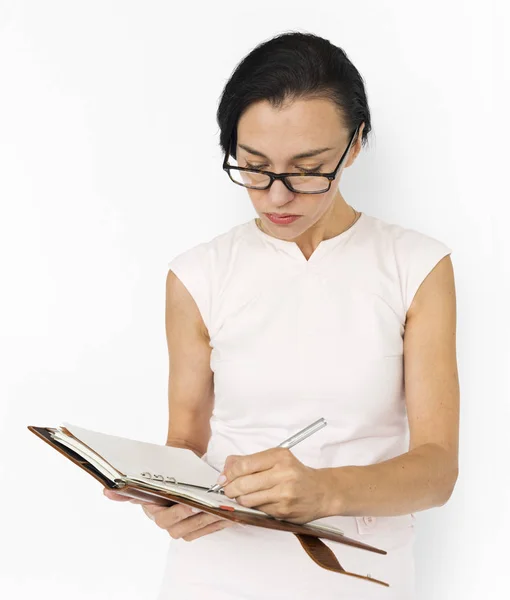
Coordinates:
x,y
256,180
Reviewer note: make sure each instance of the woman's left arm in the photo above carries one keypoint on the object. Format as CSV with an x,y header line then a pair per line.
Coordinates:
x,y
423,477
276,482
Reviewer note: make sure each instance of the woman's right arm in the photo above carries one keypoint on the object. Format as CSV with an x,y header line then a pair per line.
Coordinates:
x,y
190,380
190,402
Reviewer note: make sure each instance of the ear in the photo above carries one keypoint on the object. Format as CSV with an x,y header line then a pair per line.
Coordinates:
x,y
355,148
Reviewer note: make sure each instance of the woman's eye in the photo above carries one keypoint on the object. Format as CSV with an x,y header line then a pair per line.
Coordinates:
x,y
302,169
250,166
314,170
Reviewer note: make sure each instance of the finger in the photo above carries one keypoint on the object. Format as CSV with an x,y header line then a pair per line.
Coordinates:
x,y
259,499
257,462
138,501
191,524
167,516
121,498
275,510
149,514
114,496
152,509
212,527
230,460
249,484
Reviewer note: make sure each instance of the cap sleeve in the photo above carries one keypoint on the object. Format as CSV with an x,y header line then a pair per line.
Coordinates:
x,y
417,254
192,267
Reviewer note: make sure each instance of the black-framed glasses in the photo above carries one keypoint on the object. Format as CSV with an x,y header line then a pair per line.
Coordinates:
x,y
300,183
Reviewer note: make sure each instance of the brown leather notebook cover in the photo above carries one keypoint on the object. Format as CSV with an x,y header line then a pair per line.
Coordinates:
x,y
308,537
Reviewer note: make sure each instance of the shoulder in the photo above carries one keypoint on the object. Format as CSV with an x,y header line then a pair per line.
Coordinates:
x,y
201,268
412,253
402,239
211,251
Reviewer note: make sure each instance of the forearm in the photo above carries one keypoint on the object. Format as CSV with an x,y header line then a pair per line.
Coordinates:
x,y
417,480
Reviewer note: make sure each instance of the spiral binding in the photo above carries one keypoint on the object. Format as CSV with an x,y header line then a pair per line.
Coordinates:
x,y
165,479
147,475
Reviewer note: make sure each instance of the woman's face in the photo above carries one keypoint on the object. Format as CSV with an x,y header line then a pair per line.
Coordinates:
x,y
280,134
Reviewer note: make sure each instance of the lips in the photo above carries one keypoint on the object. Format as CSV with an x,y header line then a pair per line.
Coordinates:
x,y
281,215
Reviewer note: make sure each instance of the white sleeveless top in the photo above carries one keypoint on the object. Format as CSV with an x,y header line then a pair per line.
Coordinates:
x,y
292,341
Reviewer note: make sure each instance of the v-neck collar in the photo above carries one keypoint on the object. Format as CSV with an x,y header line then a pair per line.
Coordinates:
x,y
293,250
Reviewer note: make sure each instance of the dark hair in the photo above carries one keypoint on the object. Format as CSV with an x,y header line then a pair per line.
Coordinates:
x,y
290,66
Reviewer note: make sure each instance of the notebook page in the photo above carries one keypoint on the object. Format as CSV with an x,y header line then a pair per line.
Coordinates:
x,y
133,457
96,461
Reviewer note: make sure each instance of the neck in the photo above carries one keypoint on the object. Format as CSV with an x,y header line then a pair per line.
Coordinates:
x,y
338,219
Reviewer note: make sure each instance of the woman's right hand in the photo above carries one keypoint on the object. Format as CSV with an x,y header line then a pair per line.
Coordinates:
x,y
178,520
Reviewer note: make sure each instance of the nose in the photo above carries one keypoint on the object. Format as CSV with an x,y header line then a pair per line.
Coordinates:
x,y
279,194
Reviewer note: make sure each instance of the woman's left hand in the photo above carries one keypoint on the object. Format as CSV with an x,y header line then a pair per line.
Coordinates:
x,y
277,483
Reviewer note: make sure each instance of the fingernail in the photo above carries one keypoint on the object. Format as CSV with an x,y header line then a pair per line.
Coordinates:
x,y
221,479
195,510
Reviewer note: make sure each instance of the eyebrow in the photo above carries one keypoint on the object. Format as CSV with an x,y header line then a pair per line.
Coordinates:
x,y
308,154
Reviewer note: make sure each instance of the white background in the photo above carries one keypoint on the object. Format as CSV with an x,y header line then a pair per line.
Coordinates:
x,y
110,166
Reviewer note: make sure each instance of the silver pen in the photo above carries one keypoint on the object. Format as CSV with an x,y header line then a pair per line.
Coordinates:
x,y
288,443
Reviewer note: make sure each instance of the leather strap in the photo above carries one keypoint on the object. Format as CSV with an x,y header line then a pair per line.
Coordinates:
x,y
325,557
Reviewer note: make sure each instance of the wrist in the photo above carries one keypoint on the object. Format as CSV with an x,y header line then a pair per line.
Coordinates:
x,y
333,480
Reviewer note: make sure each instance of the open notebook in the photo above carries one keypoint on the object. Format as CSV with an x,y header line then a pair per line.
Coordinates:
x,y
153,466
165,475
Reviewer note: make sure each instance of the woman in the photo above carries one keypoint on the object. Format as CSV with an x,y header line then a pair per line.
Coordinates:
x,y
283,320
